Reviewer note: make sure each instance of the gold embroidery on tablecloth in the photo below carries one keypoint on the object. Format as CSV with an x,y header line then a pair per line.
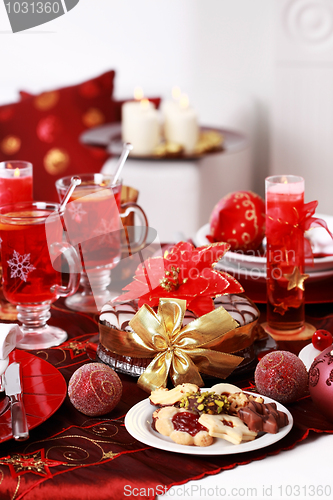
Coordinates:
x,y
34,462
17,488
67,449
109,454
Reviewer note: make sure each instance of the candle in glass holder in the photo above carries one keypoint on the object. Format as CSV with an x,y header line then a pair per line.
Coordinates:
x,y
285,252
15,182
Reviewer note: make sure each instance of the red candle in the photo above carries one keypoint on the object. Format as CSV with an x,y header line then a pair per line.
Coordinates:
x,y
285,252
15,182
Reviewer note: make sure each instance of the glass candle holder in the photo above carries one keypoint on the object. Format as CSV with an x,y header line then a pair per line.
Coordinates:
x,y
285,253
15,182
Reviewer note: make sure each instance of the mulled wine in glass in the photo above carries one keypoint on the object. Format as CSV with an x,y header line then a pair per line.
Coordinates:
x,y
93,221
31,242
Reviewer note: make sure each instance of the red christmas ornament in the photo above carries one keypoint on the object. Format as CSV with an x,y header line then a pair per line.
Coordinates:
x,y
321,339
238,219
321,382
282,376
95,389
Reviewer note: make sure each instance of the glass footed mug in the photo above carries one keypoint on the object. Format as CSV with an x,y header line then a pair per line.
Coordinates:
x,y
30,280
93,221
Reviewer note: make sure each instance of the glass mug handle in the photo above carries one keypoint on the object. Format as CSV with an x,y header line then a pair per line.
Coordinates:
x,y
134,207
74,264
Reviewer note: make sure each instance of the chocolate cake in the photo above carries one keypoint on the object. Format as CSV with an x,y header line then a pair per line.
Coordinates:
x,y
118,316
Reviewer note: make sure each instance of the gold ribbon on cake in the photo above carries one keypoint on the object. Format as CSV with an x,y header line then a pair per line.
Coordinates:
x,y
180,353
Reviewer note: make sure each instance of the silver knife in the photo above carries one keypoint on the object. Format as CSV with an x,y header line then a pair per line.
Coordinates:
x,y
12,381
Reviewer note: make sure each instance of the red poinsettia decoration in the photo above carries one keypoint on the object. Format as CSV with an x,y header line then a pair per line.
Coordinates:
x,y
185,272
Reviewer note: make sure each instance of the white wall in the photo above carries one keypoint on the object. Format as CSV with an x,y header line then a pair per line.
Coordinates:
x,y
213,49
302,108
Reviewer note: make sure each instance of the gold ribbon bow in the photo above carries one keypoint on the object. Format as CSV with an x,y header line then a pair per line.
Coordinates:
x,y
180,353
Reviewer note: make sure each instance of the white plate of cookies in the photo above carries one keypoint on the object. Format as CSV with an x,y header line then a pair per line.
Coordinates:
x,y
183,422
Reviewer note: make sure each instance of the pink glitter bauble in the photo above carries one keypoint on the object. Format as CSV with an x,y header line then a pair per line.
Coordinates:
x,y
94,389
321,382
282,376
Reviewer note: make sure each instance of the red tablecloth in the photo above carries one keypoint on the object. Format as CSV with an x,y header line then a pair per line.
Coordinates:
x,y
72,456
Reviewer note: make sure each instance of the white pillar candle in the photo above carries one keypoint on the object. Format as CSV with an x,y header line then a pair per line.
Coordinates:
x,y
140,125
169,105
181,124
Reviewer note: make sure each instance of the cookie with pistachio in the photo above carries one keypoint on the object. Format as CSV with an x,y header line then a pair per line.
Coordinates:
x,y
205,402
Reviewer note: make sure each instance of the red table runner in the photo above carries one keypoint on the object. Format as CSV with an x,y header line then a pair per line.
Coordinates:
x,y
73,456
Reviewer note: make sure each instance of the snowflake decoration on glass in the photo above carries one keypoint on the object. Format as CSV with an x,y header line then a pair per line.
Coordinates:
x,y
20,266
76,211
104,230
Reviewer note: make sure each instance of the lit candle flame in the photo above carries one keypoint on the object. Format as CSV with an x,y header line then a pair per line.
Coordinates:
x,y
138,93
17,172
144,103
284,180
176,93
184,101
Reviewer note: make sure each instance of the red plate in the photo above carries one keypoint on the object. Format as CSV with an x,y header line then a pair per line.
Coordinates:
x,y
44,390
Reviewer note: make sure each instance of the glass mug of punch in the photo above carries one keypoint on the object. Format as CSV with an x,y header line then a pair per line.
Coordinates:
x,y
93,221
31,244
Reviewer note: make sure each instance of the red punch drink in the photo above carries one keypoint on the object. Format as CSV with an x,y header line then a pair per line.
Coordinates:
x,y
28,274
93,224
285,252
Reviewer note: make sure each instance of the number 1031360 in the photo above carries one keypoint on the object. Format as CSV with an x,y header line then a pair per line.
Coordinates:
x,y
303,491
33,7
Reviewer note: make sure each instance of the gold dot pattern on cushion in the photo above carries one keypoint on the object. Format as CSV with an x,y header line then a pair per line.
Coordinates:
x,y
93,117
10,144
56,161
46,100
48,128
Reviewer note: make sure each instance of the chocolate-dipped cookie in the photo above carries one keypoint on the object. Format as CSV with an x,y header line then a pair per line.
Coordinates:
x,y
261,417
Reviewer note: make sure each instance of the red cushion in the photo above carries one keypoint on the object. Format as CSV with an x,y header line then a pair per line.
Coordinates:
x,y
45,130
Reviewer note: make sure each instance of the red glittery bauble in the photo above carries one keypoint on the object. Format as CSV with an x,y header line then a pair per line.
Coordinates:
x,y
94,389
239,219
321,382
282,376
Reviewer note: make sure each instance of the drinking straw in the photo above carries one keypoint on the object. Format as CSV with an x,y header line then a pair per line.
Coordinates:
x,y
127,147
75,181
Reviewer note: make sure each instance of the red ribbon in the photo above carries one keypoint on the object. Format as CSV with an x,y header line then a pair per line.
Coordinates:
x,y
300,221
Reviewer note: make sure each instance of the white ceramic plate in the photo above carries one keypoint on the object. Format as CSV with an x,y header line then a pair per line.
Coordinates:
x,y
138,423
308,354
320,240
239,271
